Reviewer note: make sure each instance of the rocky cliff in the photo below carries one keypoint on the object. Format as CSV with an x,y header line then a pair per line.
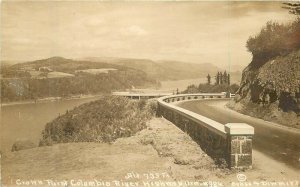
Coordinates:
x,y
272,90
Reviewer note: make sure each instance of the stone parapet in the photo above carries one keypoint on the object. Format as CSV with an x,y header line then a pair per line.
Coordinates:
x,y
239,144
231,143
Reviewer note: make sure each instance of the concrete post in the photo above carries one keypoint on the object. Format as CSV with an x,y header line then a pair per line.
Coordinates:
x,y
239,145
158,111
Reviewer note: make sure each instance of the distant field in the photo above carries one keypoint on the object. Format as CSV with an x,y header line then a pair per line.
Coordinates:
x,y
96,71
56,74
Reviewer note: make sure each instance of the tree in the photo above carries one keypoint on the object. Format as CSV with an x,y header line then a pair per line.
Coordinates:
x,y
221,78
191,89
228,77
217,77
225,77
208,79
294,8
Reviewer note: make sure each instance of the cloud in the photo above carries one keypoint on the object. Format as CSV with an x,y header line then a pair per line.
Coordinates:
x,y
134,30
189,31
22,41
93,21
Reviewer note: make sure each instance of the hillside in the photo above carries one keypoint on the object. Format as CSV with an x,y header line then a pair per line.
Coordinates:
x,y
159,149
60,64
270,85
60,77
188,70
103,120
162,70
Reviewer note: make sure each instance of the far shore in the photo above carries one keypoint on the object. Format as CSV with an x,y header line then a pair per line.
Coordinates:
x,y
49,99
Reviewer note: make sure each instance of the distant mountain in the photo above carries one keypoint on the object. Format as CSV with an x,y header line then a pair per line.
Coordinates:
x,y
188,70
60,77
8,62
168,70
162,70
152,68
65,65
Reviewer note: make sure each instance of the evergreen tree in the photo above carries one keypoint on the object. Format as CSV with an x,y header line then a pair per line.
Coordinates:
x,y
221,78
218,78
208,79
228,77
225,77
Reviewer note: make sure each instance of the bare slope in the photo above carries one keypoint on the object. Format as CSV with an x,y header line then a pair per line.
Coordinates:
x,y
161,148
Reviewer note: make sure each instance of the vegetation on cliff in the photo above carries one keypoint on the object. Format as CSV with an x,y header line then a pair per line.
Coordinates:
x,y
270,85
274,39
103,120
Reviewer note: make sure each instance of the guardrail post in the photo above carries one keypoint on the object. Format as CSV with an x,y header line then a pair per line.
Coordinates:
x,y
158,111
239,145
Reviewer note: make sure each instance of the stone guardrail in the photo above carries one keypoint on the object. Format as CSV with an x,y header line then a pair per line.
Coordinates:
x,y
230,143
140,96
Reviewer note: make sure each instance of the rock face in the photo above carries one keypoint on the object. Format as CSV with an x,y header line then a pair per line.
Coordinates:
x,y
275,82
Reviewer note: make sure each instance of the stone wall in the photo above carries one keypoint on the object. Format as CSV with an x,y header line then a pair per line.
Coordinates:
x,y
239,144
230,144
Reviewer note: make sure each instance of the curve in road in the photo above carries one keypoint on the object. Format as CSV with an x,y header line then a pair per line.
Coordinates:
x,y
281,143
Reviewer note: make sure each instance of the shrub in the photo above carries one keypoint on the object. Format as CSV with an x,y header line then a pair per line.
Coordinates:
x,y
151,107
141,104
207,88
22,144
274,39
103,120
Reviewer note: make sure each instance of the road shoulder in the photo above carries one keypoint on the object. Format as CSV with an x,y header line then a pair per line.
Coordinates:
x,y
161,148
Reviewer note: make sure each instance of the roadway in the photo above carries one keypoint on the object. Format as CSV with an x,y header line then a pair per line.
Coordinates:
x,y
280,143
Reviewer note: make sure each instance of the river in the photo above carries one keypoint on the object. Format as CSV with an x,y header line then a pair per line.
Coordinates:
x,y
181,84
27,120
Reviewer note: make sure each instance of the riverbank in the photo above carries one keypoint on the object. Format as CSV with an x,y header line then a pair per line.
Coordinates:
x,y
50,99
161,153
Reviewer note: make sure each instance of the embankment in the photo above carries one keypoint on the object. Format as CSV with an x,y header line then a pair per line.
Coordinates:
x,y
160,149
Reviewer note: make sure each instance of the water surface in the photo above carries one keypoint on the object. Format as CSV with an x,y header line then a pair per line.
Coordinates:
x,y
181,84
26,121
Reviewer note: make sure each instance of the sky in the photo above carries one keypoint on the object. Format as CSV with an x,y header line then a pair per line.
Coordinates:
x,y
197,32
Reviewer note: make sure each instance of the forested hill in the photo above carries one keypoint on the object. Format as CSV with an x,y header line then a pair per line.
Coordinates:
x,y
63,64
162,70
60,77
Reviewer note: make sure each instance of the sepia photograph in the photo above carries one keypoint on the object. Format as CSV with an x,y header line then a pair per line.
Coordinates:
x,y
149,93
